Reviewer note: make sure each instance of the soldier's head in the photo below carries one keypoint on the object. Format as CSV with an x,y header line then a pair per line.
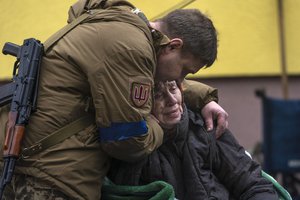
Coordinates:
x,y
193,44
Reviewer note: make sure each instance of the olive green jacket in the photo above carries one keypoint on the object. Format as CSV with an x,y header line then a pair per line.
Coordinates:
x,y
98,68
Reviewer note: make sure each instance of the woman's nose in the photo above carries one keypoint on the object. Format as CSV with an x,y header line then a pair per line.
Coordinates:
x,y
171,99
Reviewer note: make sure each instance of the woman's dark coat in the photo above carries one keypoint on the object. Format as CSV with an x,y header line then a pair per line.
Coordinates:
x,y
198,166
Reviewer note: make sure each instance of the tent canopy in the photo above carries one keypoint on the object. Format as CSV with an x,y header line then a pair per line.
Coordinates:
x,y
249,42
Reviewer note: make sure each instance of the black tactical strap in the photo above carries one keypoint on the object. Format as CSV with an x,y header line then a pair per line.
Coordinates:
x,y
58,136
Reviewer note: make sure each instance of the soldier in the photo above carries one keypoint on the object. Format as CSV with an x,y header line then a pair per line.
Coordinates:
x,y
100,73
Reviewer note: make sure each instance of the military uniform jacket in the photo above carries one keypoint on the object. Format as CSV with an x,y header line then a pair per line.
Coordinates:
x,y
104,67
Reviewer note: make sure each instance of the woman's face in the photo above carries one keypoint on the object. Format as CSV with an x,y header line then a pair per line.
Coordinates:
x,y
167,106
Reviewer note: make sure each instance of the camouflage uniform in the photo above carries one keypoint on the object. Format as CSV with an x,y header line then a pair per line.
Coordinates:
x,y
28,188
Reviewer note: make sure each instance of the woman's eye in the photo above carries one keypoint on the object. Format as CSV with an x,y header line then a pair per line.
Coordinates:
x,y
158,95
173,89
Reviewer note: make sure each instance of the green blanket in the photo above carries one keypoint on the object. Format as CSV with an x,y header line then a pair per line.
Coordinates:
x,y
158,190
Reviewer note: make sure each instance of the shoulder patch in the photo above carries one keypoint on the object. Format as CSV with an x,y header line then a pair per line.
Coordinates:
x,y
140,93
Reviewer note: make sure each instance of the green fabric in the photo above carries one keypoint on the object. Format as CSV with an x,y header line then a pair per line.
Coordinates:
x,y
160,190
282,193
157,190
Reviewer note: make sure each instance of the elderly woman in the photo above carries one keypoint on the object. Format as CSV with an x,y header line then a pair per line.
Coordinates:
x,y
196,164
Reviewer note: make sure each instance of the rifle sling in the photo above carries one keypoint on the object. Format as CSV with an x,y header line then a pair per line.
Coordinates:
x,y
58,136
72,128
58,35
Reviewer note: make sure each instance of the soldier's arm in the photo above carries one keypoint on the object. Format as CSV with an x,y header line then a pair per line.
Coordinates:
x,y
121,81
197,95
203,99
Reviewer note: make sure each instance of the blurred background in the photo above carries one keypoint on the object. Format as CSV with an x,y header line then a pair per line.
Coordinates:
x,y
259,47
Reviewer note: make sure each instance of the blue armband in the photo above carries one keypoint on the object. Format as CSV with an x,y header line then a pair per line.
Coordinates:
x,y
122,131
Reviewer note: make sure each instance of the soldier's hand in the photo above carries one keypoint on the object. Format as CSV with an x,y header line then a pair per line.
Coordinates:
x,y
213,111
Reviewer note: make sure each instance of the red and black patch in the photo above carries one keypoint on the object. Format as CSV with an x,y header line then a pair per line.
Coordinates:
x,y
140,93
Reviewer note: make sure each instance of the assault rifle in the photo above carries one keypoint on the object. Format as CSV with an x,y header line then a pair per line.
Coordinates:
x,y
21,93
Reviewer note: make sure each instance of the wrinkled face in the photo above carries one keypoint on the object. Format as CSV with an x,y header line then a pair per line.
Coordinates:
x,y
172,64
167,107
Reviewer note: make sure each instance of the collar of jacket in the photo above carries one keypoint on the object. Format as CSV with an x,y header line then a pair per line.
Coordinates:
x,y
99,10
83,6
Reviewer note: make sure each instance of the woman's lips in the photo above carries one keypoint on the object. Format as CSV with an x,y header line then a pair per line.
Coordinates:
x,y
173,113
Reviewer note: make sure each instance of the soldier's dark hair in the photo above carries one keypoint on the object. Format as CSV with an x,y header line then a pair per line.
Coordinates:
x,y
196,30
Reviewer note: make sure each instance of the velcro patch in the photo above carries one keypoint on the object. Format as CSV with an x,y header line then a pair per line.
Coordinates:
x,y
140,93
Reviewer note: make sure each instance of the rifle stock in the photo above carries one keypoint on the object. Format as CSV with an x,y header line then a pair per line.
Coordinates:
x,y
14,136
26,74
